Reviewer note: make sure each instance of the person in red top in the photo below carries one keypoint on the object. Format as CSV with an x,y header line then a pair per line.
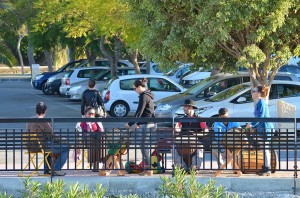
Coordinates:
x,y
93,138
189,130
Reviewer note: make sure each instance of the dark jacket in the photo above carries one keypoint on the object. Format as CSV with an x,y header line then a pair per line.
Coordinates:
x,y
146,106
87,96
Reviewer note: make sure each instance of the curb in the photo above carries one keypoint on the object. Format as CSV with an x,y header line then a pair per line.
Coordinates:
x,y
146,185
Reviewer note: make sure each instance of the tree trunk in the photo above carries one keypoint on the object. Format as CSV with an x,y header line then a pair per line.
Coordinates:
x,y
107,55
71,54
30,55
19,53
134,59
91,56
49,59
216,70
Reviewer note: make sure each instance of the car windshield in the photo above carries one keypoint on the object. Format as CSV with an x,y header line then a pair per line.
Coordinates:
x,y
228,93
100,74
202,84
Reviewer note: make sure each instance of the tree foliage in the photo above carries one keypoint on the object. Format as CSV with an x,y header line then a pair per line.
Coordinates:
x,y
259,34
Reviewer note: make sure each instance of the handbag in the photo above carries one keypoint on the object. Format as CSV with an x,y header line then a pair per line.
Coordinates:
x,y
99,111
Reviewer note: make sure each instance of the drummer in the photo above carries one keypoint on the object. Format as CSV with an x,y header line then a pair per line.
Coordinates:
x,y
190,127
219,128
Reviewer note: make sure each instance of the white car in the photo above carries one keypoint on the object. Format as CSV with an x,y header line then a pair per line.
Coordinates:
x,y
76,89
238,100
120,98
78,75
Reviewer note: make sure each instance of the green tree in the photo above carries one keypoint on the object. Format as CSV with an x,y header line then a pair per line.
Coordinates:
x,y
261,35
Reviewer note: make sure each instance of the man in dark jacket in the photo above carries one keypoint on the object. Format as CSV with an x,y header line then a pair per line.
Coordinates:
x,y
190,152
92,97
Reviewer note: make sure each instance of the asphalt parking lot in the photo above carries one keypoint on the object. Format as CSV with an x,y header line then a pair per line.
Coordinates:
x,y
18,100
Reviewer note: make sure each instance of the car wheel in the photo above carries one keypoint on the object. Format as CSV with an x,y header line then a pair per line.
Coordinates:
x,y
46,90
119,109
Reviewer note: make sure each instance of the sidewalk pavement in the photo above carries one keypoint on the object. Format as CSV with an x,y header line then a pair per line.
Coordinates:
x,y
14,77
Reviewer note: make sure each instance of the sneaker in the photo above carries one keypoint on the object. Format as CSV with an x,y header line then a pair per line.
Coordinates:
x,y
266,171
59,173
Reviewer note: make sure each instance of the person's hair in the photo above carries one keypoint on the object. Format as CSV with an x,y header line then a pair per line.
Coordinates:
x,y
88,109
91,83
141,82
223,111
263,90
40,108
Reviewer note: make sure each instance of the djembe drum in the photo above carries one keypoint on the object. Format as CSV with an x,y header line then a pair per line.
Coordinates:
x,y
186,147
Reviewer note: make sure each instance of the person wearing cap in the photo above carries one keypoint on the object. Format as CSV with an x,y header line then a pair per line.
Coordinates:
x,y
219,129
190,129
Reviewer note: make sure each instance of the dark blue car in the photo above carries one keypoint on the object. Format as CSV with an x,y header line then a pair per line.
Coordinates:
x,y
42,78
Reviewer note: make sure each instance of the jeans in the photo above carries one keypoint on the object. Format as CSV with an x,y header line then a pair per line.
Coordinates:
x,y
217,152
146,140
63,152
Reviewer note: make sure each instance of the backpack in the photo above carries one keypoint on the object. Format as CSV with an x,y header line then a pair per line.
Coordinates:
x,y
98,109
132,167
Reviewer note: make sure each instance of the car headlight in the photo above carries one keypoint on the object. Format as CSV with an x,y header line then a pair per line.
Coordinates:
x,y
203,109
163,107
75,88
51,79
38,77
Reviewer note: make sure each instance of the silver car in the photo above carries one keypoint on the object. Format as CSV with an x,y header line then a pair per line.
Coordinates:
x,y
166,108
78,75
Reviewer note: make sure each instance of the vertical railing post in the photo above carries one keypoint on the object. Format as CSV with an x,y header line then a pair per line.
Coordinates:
x,y
295,155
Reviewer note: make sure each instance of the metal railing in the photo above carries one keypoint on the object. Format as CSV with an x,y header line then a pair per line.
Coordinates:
x,y
90,150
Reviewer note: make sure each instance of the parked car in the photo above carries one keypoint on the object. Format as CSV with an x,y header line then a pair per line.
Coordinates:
x,y
154,68
106,63
208,87
238,100
42,78
180,72
76,89
53,83
78,75
120,98
194,78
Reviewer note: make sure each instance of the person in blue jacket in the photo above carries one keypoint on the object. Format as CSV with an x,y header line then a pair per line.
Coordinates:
x,y
263,129
219,129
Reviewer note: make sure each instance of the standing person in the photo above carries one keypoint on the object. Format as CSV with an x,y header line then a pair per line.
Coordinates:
x,y
43,132
219,128
92,97
188,129
146,110
91,133
264,129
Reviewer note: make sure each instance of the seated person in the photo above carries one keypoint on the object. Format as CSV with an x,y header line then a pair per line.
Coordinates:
x,y
43,131
219,128
185,128
92,139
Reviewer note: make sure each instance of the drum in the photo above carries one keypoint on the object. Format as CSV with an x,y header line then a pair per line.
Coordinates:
x,y
251,161
186,147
